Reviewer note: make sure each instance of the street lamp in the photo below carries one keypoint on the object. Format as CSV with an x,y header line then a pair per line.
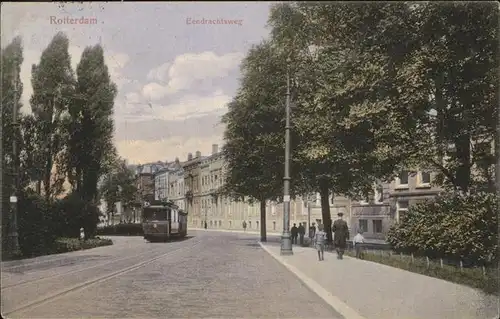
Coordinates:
x,y
286,240
13,234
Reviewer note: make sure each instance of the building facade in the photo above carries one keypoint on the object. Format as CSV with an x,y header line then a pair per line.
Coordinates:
x,y
162,179
176,192
161,183
194,186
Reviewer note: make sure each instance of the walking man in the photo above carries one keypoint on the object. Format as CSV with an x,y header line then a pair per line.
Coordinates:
x,y
341,233
302,232
358,241
295,232
312,232
244,226
320,238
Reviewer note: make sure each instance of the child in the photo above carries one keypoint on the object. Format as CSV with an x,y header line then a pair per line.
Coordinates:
x,y
357,241
320,238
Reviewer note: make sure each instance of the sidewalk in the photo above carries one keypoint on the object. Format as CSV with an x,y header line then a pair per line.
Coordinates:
x,y
361,289
235,231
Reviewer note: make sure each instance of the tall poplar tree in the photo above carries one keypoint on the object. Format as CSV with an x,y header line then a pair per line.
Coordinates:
x,y
53,91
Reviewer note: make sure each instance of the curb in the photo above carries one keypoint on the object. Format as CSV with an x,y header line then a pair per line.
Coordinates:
x,y
334,302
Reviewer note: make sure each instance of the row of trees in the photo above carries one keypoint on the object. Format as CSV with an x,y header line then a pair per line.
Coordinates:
x,y
376,88
67,136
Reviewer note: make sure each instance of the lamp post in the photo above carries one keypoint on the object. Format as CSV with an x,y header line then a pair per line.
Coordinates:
x,y
286,240
13,234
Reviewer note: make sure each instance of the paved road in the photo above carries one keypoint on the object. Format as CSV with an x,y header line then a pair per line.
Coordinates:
x,y
210,275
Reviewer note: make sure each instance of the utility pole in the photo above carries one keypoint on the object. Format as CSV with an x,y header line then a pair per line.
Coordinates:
x,y
13,235
286,240
497,173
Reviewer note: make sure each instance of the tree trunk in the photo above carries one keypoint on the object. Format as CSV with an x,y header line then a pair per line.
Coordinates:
x,y
263,228
463,177
325,210
46,181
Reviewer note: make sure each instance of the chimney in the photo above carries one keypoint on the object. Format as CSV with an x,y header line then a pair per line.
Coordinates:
x,y
215,149
190,156
198,154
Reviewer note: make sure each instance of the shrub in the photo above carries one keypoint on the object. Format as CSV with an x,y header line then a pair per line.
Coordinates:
x,y
122,230
72,213
451,226
35,234
64,245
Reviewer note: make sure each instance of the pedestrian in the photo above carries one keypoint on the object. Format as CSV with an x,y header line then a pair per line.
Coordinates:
x,y
302,233
358,242
295,232
244,226
341,233
319,239
206,225
312,232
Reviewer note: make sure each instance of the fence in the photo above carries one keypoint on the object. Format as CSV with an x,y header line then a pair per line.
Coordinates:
x,y
383,253
426,262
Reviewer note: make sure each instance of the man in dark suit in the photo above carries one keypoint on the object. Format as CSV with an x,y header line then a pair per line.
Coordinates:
x,y
341,234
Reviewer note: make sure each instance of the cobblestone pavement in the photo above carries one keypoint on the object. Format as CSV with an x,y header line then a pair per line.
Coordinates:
x,y
212,275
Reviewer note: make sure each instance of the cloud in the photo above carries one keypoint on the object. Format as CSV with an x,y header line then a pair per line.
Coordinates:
x,y
186,70
155,92
143,151
135,107
192,106
158,74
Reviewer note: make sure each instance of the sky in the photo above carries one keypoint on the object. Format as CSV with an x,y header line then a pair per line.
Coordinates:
x,y
176,65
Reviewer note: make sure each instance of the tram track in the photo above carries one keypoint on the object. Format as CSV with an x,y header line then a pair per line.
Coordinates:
x,y
71,272
94,281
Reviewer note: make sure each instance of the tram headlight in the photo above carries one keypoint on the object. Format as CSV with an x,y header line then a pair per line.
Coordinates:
x,y
155,226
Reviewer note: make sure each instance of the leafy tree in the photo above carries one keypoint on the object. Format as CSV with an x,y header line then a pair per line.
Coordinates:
x,y
118,185
90,124
336,157
414,88
53,90
12,88
254,135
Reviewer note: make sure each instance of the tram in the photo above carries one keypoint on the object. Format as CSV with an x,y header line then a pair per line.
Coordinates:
x,y
163,221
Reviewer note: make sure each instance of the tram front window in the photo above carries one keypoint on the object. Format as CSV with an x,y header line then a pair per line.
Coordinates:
x,y
151,214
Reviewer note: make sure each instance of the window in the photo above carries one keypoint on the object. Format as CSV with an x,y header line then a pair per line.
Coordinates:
x,y
424,179
402,179
401,209
257,225
220,223
274,225
363,225
249,224
273,208
377,226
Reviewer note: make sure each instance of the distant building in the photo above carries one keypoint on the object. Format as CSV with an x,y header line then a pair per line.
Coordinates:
x,y
162,179
176,192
